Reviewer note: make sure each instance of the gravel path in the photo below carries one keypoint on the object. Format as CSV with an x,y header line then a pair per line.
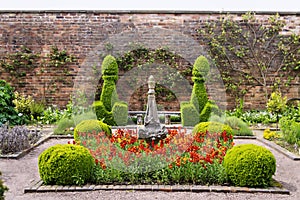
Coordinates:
x,y
18,174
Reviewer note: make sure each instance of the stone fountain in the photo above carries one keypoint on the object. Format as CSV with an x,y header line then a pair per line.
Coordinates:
x,y
152,130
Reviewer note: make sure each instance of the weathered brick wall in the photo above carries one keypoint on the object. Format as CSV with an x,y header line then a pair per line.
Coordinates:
x,y
90,35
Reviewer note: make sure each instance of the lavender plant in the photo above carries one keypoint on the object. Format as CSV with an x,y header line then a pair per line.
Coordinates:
x,y
16,139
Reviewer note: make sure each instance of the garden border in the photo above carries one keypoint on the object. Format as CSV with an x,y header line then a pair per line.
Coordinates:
x,y
280,149
274,146
19,155
38,187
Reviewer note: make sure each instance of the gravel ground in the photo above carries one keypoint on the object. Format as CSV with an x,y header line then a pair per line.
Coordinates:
x,y
17,174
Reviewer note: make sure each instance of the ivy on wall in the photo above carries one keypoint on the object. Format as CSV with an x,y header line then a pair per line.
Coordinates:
x,y
24,62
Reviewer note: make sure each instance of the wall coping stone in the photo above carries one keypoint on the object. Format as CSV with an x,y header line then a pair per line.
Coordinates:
x,y
282,13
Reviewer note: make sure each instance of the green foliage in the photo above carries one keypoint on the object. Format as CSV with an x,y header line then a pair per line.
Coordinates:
x,y
3,189
7,112
90,126
250,165
109,109
239,127
276,104
212,127
22,103
290,130
65,165
209,109
200,108
201,67
120,113
102,113
59,58
269,135
64,127
18,63
189,114
110,66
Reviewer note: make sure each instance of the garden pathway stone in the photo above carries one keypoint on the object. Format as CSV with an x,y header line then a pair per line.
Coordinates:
x,y
21,173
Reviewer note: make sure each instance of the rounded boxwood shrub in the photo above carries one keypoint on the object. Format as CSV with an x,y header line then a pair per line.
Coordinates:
x,y
250,165
90,126
212,127
66,165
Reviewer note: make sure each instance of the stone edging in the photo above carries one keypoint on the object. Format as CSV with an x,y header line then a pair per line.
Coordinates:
x,y
26,151
279,149
38,187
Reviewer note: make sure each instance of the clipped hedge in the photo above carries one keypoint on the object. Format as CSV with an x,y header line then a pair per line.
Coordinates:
x,y
90,126
200,107
212,127
201,67
189,113
109,108
120,113
66,165
250,165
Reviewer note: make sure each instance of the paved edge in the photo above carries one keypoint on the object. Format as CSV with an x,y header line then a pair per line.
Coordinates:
x,y
38,187
279,149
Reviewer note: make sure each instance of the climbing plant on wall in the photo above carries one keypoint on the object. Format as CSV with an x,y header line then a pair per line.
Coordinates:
x,y
25,63
252,51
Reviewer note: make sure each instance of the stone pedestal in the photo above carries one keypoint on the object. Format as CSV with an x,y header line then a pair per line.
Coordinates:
x,y
152,130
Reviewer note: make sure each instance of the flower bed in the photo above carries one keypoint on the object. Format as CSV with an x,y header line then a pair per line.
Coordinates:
x,y
179,158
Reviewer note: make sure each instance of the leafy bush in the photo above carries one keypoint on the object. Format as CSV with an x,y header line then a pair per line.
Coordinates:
x,y
8,114
22,103
3,188
64,127
65,165
120,113
290,130
91,126
239,127
250,165
269,135
16,139
213,127
189,114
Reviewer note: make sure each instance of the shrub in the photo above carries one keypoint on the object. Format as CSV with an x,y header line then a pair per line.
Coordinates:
x,y
66,165
239,127
212,127
7,112
200,108
17,138
269,135
190,116
3,188
106,109
250,165
64,127
120,113
201,67
91,126
290,130
22,103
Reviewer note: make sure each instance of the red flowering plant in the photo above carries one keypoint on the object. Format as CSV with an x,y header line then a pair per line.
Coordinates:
x,y
180,157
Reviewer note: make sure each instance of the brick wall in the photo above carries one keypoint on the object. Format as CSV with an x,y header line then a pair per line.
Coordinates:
x,y
90,35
